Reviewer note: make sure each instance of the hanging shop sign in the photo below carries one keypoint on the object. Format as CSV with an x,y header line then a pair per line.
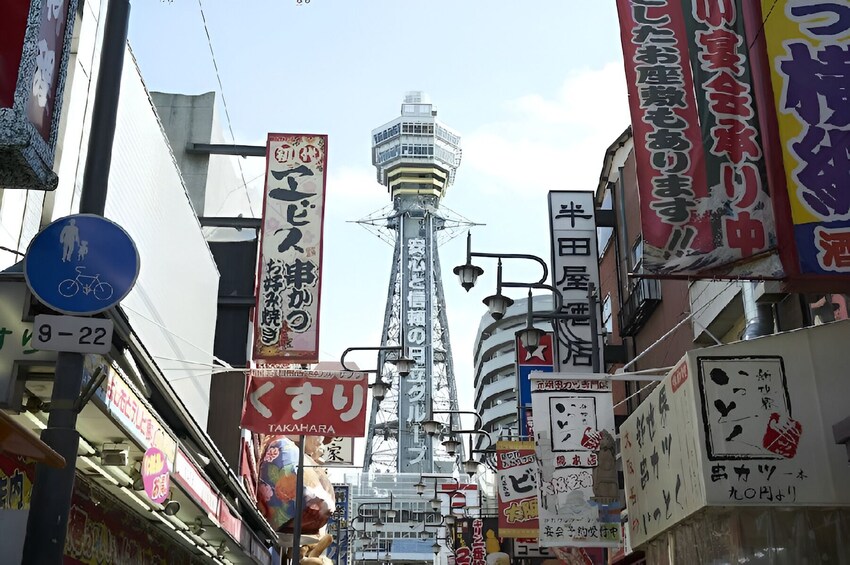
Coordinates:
x,y
802,39
745,424
35,46
126,406
516,483
543,360
231,523
575,266
301,402
155,475
577,476
705,208
340,549
476,542
286,328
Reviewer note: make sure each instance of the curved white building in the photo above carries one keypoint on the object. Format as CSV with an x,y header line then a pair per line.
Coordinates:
x,y
495,366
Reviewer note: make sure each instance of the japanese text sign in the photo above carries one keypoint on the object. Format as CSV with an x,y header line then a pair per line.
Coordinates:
x,y
572,221
659,452
300,402
340,549
474,540
572,414
704,202
807,45
745,424
339,452
516,484
190,478
155,475
289,271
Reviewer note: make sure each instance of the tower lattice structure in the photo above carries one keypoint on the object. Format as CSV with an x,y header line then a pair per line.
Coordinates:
x,y
416,158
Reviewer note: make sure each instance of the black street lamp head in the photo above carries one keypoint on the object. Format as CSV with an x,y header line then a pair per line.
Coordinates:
x,y
470,466
498,304
432,427
420,487
468,274
436,548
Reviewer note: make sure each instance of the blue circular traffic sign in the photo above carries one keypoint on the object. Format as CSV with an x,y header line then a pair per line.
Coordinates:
x,y
81,264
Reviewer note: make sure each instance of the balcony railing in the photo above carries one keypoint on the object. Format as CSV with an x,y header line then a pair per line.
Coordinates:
x,y
639,306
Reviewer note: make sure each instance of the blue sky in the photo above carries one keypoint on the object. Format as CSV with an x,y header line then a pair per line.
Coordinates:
x,y
535,88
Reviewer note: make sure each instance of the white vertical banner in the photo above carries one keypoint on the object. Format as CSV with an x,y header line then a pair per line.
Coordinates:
x,y
575,265
289,272
570,414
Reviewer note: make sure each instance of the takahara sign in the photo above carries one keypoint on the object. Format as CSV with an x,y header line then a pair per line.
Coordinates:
x,y
300,402
286,328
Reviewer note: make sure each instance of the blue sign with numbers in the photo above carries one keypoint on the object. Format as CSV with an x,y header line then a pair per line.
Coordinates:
x,y
81,264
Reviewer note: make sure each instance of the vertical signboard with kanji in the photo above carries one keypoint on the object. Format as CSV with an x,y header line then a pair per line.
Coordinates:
x,y
807,45
660,458
516,485
415,451
574,431
286,327
542,360
572,220
35,47
705,208
339,551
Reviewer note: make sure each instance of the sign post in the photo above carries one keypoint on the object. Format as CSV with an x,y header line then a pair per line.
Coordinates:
x,y
47,522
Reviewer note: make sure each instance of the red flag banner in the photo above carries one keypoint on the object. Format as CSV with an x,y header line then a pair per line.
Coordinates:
x,y
689,228
299,402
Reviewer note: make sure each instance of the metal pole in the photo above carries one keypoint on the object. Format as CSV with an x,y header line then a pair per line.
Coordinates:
x,y
299,503
47,523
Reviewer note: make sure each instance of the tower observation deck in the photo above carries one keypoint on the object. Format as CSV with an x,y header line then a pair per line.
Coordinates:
x,y
416,158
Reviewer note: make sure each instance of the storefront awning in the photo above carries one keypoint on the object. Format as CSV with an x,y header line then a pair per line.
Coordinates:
x,y
18,440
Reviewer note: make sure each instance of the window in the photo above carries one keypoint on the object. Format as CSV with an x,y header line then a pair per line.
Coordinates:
x,y
607,322
637,255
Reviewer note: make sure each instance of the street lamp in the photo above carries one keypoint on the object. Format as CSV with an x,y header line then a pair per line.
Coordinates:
x,y
403,363
420,487
451,445
436,548
497,304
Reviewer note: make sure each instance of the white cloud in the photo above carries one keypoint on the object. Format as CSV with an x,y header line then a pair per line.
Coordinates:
x,y
552,143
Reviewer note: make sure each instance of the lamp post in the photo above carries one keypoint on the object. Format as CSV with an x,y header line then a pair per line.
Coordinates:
x,y
380,388
497,304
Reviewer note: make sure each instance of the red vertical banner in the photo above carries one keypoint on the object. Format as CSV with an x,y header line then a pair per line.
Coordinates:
x,y
286,327
668,146
517,489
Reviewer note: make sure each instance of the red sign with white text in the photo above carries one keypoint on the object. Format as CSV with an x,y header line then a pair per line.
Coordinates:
x,y
299,402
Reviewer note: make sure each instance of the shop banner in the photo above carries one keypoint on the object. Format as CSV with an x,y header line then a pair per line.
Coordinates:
x,y
102,531
196,486
301,402
543,360
705,207
806,46
155,475
745,424
16,476
575,266
576,458
739,202
340,549
339,452
516,483
286,328
476,542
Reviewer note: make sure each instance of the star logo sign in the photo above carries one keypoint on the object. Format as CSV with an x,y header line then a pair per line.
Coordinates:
x,y
538,353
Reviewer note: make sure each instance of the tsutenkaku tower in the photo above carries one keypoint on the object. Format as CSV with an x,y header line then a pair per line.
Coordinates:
x,y
416,158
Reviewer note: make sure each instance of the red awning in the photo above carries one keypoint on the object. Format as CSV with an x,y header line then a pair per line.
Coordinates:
x,y
18,440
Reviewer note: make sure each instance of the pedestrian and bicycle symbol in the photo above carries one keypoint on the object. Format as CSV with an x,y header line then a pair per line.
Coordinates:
x,y
81,264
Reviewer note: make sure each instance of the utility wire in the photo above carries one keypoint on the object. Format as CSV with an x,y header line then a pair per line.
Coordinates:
x,y
224,103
